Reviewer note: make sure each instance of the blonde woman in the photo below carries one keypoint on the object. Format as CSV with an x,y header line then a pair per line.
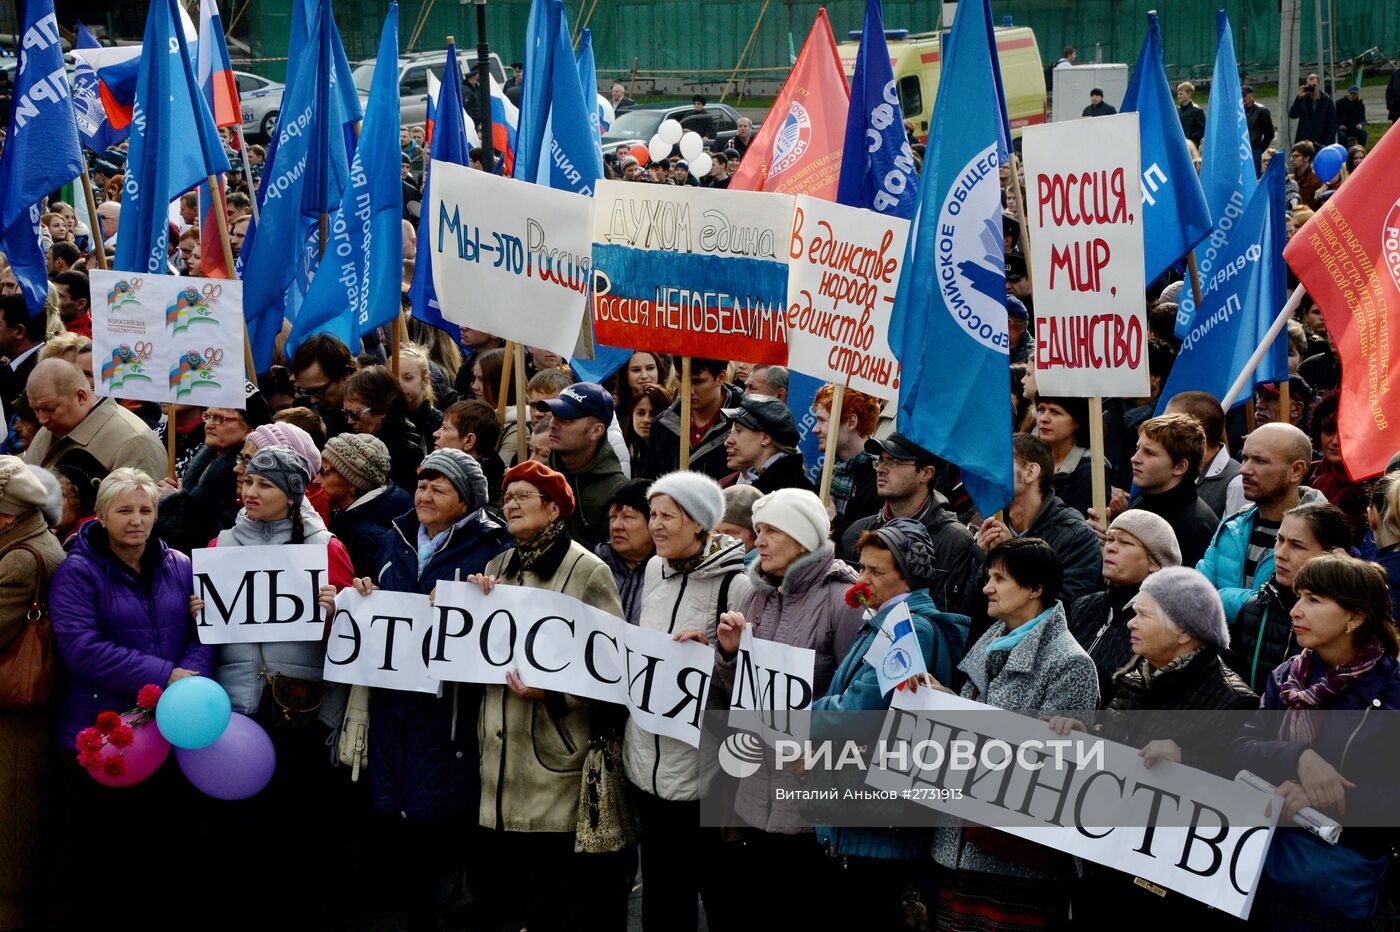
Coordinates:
x,y
415,378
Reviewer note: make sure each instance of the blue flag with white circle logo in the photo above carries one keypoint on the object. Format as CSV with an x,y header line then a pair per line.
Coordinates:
x,y
948,326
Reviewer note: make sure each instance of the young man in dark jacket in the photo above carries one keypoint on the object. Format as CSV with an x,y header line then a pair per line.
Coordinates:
x,y
1170,449
1316,115
905,474
709,426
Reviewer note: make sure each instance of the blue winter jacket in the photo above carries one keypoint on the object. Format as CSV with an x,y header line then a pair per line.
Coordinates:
x,y
422,748
1223,563
367,526
856,688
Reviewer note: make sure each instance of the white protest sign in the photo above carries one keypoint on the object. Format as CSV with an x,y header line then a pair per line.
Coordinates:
x,y
168,338
692,271
771,682
558,643
509,257
1178,827
841,283
381,639
260,594
1084,193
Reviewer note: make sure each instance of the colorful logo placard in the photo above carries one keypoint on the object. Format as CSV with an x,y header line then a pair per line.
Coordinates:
x,y
169,339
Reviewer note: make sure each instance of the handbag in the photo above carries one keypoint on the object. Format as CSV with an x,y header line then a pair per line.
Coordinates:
x,y
353,744
26,664
1330,881
607,819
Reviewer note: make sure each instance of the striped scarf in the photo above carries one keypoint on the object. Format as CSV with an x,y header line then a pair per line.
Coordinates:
x,y
1305,703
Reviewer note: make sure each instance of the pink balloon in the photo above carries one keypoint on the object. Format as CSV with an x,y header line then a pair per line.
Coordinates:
x,y
148,750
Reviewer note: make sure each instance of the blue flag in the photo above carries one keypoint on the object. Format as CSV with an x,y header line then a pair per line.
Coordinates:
x,y
449,145
948,326
1175,216
1227,163
358,285
588,82
558,146
885,180
174,145
1239,302
94,127
41,153
306,174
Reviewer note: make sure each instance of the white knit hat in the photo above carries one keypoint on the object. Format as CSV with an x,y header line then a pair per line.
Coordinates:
x,y
697,493
797,513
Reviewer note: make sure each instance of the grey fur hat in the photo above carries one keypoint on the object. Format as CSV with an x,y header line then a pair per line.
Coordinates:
x,y
1190,602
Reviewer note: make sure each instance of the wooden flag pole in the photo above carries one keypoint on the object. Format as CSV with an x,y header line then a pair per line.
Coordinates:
x,y
395,341
1283,402
1100,492
170,441
833,435
685,413
507,367
100,247
1014,162
248,172
222,221
522,416
322,228
1195,279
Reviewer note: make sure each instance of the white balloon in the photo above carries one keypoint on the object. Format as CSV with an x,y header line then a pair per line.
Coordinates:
x,y
692,146
670,132
700,165
658,148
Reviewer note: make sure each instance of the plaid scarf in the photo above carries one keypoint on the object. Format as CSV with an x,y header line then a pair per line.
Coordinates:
x,y
843,478
1304,703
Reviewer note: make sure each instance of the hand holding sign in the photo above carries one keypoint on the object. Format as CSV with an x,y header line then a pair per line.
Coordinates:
x,y
731,628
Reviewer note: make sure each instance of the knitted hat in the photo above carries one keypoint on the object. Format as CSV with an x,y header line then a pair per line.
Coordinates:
x,y
797,513
283,467
1190,603
550,483
697,493
20,490
912,548
459,469
738,505
633,494
1153,532
361,458
280,433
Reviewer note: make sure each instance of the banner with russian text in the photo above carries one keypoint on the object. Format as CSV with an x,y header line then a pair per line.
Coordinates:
x,y
842,280
691,271
1085,217
509,257
168,338
254,595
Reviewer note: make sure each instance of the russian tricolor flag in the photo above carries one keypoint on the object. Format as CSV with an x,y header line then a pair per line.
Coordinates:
x,y
505,121
116,69
216,83
434,87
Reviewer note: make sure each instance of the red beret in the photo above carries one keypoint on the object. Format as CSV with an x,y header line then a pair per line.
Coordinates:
x,y
551,484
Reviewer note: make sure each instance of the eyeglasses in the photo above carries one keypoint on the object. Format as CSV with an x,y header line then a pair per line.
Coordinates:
x,y
244,458
315,392
889,462
354,416
209,417
522,497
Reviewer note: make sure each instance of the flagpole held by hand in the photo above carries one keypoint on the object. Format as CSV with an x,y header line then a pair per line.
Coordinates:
x,y
507,369
833,434
1295,300
170,441
1100,493
522,417
685,413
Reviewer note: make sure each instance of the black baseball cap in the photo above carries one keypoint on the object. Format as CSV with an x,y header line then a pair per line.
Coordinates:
x,y
897,446
768,414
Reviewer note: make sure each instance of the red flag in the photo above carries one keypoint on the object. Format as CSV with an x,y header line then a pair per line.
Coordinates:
x,y
211,244
1348,258
798,148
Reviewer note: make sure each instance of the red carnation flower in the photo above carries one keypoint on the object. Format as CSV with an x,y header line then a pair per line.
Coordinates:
x,y
858,595
148,696
122,736
89,760
89,739
106,721
114,767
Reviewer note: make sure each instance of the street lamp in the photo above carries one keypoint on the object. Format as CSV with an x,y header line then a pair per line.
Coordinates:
x,y
483,89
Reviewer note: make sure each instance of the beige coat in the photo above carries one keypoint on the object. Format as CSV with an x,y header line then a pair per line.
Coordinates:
x,y
111,434
25,737
532,750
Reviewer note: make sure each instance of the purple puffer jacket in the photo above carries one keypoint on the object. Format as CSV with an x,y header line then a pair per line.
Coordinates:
x,y
116,632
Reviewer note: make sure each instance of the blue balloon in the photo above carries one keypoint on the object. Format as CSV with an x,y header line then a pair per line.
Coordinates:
x,y
193,712
1328,162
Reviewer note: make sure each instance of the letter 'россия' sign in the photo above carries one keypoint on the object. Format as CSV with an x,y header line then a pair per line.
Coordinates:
x,y
1084,213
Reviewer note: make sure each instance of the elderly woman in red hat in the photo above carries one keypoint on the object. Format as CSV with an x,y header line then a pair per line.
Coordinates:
x,y
533,742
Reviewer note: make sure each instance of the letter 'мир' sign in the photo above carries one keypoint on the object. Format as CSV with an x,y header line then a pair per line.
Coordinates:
x,y
1084,217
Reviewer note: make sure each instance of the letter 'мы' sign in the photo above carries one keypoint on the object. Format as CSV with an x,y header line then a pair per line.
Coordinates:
x,y
258,595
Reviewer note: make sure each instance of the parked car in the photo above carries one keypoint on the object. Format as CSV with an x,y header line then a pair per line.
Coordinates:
x,y
261,100
413,80
639,124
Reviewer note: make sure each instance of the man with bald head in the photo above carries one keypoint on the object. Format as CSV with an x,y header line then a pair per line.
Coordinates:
x,y
1241,555
73,419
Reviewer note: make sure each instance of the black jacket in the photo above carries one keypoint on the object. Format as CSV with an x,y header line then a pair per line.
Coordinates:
x,y
953,548
1193,122
405,450
1076,487
1261,126
1192,519
1203,683
1262,636
1351,113
1392,96
365,528
206,503
708,456
1317,119
1099,622
1099,109
788,472
863,502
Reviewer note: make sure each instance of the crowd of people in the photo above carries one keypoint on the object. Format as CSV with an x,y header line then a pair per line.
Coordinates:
x,y
1237,567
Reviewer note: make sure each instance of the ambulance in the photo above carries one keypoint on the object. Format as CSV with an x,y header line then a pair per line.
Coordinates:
x,y
916,59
